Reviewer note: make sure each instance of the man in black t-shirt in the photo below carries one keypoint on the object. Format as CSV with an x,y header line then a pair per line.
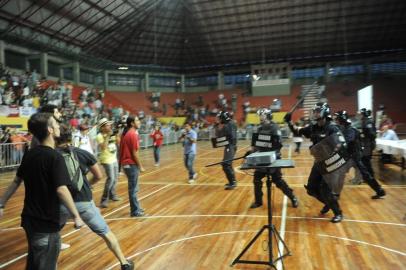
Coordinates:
x,y
83,198
46,178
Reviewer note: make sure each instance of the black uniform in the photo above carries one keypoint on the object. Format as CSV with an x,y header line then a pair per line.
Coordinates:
x,y
356,152
229,130
368,143
276,174
316,186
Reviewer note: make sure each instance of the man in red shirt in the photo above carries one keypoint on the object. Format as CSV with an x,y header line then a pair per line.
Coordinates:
x,y
158,139
129,159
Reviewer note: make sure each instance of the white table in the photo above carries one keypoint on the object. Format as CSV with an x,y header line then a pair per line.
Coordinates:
x,y
393,148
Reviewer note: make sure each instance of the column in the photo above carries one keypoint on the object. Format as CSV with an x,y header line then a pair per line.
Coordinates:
x,y
146,82
182,83
76,73
327,73
220,80
106,80
2,55
44,64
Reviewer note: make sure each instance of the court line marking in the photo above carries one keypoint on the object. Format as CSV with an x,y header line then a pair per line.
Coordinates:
x,y
75,230
251,231
281,246
240,216
25,254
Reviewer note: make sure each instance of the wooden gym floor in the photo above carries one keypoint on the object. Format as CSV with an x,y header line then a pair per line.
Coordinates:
x,y
203,226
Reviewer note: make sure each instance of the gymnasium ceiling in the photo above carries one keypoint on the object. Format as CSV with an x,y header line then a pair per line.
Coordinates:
x,y
206,33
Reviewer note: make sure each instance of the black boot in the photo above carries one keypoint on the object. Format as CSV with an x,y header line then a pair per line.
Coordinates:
x,y
324,210
256,204
230,186
379,194
295,201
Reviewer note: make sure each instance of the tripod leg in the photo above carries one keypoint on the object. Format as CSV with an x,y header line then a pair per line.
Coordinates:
x,y
278,237
236,260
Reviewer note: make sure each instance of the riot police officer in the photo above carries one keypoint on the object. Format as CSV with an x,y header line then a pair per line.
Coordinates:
x,y
227,128
355,151
368,135
270,128
324,187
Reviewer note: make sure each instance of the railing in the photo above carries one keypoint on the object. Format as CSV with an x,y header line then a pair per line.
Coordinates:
x,y
11,154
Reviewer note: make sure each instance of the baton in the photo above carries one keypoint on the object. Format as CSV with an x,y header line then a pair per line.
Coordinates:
x,y
302,98
227,160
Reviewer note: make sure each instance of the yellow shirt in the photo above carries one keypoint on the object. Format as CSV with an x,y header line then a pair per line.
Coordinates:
x,y
35,102
108,155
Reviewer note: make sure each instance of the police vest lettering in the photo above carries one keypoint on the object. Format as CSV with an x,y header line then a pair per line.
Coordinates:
x,y
336,165
263,137
263,144
332,159
220,141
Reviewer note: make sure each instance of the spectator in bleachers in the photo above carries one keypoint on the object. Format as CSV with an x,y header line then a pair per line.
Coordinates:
x,y
19,142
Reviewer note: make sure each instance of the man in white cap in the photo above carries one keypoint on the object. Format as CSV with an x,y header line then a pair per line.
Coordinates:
x,y
107,143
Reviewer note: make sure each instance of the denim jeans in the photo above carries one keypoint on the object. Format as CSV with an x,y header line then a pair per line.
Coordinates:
x,y
111,181
43,250
157,150
132,172
90,215
189,159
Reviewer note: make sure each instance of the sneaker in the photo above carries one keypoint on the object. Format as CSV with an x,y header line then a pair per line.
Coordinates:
x,y
295,202
128,266
194,175
104,204
337,218
116,199
64,246
138,214
156,164
255,205
379,194
191,181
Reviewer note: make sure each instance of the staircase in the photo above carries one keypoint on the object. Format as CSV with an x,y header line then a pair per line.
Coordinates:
x,y
313,96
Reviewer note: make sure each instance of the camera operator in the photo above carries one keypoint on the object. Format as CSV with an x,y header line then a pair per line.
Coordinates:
x,y
189,139
107,142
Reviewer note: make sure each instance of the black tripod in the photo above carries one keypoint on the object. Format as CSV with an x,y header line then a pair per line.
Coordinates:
x,y
272,232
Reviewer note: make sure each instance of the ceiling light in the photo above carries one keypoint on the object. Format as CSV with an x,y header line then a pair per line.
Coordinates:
x,y
122,68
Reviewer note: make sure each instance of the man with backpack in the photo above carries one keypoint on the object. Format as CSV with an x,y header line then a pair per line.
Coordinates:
x,y
46,182
79,162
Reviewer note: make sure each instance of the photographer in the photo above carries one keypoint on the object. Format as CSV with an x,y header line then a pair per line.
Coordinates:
x,y
107,142
189,139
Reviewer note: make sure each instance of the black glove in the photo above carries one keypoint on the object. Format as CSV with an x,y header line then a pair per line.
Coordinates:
x,y
287,117
248,153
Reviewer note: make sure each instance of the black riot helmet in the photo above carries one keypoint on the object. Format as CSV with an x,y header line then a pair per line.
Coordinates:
x,y
265,114
323,110
365,113
224,117
342,118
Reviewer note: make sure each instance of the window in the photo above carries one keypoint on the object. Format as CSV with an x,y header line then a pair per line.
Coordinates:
x,y
15,60
86,76
53,69
201,81
124,80
163,81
